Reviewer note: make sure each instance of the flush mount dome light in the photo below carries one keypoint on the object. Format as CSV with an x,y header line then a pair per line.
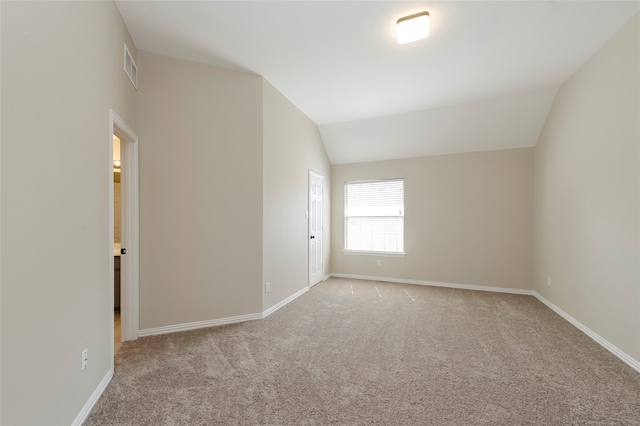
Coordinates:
x,y
412,28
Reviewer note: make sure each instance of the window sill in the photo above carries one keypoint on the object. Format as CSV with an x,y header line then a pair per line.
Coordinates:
x,y
374,253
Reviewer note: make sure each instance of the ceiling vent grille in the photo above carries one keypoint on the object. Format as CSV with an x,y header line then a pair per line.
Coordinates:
x,y
130,67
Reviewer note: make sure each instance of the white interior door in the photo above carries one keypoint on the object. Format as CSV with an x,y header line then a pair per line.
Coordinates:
x,y
316,189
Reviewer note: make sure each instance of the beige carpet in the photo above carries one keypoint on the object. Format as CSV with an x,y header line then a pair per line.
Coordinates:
x,y
356,352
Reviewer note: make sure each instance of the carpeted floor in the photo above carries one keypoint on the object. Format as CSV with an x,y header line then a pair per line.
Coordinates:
x,y
353,352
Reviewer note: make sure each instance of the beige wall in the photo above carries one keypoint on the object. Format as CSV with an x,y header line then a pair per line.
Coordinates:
x,y
468,219
224,157
200,136
292,147
587,194
61,73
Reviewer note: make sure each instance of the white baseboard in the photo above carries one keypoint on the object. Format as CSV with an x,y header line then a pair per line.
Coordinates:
x,y
198,324
84,413
627,359
438,284
633,363
95,396
220,321
284,302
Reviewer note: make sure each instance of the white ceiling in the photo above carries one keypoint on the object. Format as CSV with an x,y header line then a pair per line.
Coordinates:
x,y
484,79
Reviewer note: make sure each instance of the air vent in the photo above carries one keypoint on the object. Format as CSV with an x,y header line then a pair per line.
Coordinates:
x,y
130,67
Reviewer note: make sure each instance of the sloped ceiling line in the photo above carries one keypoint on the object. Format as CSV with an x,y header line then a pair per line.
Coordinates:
x,y
488,68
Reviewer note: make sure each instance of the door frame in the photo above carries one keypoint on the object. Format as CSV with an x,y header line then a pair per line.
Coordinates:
x,y
130,238
321,177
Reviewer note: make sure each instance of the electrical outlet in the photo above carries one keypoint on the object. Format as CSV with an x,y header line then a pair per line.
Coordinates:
x,y
379,262
267,287
85,358
549,281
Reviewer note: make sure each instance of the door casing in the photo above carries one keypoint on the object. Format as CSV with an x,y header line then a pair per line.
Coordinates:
x,y
130,238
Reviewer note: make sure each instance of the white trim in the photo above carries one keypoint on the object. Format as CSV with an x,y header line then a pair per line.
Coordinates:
x,y
438,284
317,175
122,126
624,357
110,305
374,253
326,277
310,286
220,321
95,396
130,303
284,302
627,359
130,266
348,214
374,180
198,324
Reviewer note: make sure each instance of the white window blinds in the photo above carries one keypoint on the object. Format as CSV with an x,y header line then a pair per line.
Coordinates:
x,y
374,216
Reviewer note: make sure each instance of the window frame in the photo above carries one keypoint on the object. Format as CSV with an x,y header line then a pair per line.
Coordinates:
x,y
346,218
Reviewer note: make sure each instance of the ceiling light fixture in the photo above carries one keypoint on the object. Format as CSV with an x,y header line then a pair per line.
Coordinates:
x,y
412,28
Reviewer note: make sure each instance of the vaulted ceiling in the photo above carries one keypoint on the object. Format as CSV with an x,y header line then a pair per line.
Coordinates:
x,y
484,79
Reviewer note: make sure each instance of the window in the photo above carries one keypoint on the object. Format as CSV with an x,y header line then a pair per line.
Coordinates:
x,y
374,216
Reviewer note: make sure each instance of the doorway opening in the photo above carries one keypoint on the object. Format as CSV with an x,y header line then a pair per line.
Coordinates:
x,y
127,251
117,242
